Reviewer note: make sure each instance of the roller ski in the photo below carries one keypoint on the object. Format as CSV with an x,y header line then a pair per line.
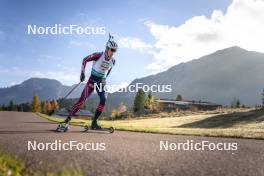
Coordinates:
x,y
63,126
95,127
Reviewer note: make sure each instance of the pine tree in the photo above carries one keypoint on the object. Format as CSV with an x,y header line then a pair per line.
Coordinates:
x,y
20,108
114,114
139,101
149,103
238,103
35,105
235,103
3,107
44,107
179,97
26,107
122,108
11,106
48,106
54,104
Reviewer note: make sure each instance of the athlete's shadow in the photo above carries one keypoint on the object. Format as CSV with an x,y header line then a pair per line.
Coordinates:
x,y
97,132
49,131
41,122
25,132
83,131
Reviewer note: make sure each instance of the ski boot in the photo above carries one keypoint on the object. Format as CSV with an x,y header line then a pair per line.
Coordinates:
x,y
95,126
64,126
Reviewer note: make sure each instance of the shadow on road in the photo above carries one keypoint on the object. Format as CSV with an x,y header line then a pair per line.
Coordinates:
x,y
25,132
228,120
48,131
42,122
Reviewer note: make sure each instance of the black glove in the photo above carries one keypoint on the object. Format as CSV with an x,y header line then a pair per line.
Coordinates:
x,y
82,77
103,82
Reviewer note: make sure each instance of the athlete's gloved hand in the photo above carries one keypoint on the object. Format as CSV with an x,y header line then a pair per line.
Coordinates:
x,y
82,77
103,82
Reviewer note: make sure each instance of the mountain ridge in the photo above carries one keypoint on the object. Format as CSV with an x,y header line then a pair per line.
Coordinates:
x,y
217,77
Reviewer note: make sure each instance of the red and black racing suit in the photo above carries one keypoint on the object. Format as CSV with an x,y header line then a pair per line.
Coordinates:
x,y
101,68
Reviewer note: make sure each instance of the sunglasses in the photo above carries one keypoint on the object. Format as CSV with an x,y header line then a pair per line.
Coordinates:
x,y
113,50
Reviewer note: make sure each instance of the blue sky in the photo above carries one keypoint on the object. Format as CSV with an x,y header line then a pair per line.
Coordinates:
x,y
59,56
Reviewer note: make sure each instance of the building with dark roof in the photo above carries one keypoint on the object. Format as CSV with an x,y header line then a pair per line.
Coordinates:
x,y
168,105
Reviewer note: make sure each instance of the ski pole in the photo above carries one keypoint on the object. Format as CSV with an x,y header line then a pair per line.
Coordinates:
x,y
72,90
53,110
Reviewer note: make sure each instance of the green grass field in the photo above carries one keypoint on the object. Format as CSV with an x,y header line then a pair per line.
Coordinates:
x,y
245,124
14,166
10,165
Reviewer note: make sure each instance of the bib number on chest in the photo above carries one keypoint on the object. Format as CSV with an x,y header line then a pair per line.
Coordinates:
x,y
105,66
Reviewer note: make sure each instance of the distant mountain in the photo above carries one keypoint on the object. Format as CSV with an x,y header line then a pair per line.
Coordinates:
x,y
46,89
218,77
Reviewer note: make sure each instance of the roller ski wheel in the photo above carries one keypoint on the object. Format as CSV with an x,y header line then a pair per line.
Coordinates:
x,y
62,127
111,130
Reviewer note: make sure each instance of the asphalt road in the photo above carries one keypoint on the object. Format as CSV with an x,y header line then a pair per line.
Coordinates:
x,y
126,153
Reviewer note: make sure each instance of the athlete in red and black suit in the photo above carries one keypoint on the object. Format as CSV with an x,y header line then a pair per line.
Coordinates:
x,y
103,63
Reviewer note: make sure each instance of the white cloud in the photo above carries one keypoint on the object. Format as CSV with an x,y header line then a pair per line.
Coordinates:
x,y
14,83
58,75
133,43
75,43
80,44
64,76
241,25
48,58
